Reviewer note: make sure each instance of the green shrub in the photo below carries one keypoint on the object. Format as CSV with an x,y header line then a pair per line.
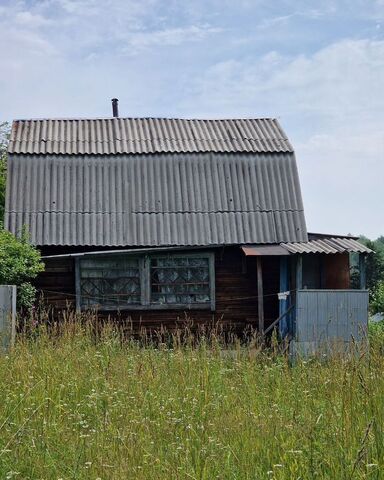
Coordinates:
x,y
377,298
20,263
376,333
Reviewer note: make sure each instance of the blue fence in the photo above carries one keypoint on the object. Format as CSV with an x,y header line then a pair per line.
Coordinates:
x,y
326,318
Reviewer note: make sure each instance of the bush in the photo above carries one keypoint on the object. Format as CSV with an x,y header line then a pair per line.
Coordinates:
x,y
377,298
376,334
20,263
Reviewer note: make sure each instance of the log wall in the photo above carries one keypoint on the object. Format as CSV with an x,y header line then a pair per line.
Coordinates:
x,y
236,293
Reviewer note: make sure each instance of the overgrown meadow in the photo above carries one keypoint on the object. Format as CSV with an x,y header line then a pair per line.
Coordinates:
x,y
78,407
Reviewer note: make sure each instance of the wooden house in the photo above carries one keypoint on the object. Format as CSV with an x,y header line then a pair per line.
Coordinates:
x,y
161,221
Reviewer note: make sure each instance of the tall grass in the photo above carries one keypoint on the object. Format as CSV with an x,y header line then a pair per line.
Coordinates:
x,y
76,407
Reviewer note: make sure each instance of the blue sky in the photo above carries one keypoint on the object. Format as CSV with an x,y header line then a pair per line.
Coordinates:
x,y
317,66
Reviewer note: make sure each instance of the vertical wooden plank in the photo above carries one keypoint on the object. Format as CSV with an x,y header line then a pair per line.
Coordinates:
x,y
322,272
260,298
299,272
284,287
145,280
212,281
362,269
77,284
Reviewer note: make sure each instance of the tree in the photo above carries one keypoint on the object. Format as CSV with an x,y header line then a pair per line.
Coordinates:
x,y
374,264
375,273
377,298
20,263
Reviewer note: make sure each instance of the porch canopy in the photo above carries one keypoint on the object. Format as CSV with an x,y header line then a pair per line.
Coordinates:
x,y
317,243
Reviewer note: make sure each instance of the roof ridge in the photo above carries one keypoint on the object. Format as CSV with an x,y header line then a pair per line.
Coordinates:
x,y
184,119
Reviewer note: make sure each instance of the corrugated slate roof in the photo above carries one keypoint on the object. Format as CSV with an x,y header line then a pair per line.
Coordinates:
x,y
328,245
146,135
156,200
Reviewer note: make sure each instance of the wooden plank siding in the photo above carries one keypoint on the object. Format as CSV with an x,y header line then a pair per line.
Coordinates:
x,y
337,271
235,291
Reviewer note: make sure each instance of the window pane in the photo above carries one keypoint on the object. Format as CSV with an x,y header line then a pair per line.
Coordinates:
x,y
112,282
180,280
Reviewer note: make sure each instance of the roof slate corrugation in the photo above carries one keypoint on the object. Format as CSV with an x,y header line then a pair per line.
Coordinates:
x,y
328,245
146,135
156,200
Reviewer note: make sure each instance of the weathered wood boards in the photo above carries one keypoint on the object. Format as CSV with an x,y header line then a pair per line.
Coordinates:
x,y
236,293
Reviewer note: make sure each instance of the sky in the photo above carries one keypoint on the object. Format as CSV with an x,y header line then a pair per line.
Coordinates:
x,y
317,66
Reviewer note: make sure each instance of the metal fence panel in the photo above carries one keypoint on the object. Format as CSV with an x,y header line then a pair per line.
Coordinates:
x,y
329,317
7,316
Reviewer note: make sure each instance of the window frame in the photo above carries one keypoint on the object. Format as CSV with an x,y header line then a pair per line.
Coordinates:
x,y
145,284
79,278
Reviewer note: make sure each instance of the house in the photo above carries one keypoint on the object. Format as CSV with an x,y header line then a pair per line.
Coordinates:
x,y
162,220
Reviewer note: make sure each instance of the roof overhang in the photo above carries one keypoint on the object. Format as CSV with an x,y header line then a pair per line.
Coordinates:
x,y
128,251
264,250
325,245
316,244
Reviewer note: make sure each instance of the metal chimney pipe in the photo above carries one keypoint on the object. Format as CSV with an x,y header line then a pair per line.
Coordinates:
x,y
115,107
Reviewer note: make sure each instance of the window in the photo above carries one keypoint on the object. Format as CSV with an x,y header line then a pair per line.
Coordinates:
x,y
180,280
112,281
118,282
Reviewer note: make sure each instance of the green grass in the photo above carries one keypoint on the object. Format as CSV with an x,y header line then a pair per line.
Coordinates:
x,y
73,408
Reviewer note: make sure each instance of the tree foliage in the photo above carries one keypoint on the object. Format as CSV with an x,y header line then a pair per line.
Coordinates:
x,y
20,263
375,273
377,298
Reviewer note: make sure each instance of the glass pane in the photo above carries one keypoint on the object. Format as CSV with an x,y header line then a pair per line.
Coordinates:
x,y
112,282
180,280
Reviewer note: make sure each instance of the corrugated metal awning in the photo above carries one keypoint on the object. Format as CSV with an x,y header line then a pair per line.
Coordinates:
x,y
328,245
323,244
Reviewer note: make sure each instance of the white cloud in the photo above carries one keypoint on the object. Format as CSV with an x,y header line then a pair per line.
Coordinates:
x,y
342,79
331,105
169,37
31,20
218,58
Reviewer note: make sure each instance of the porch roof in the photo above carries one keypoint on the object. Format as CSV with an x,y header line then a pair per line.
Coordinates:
x,y
316,244
323,244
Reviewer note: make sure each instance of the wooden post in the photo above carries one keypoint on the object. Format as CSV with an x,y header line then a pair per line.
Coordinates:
x,y
283,303
363,273
260,298
299,272
78,284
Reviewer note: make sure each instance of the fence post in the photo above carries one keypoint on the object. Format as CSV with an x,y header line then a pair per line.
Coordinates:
x,y
7,316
